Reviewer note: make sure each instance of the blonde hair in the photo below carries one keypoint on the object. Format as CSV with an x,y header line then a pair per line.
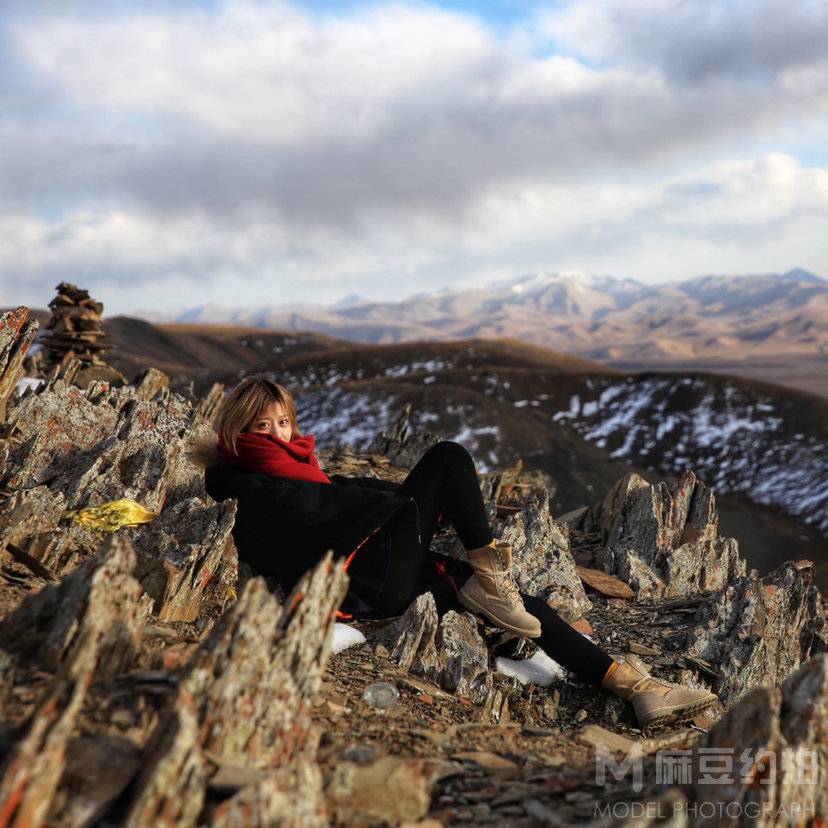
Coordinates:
x,y
248,401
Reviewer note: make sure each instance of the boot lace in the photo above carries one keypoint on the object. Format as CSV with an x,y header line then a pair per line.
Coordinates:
x,y
506,581
647,679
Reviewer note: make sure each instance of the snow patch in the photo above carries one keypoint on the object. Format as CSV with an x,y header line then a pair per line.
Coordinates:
x,y
410,367
345,418
589,408
540,669
344,637
574,410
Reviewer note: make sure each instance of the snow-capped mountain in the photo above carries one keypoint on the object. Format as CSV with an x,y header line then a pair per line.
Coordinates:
x,y
757,321
547,303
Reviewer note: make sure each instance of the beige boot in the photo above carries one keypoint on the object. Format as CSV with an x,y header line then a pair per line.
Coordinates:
x,y
654,700
493,592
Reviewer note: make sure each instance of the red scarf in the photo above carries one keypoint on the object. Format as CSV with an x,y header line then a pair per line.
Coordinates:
x,y
267,454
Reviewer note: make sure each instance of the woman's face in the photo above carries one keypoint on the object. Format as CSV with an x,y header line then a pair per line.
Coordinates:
x,y
273,420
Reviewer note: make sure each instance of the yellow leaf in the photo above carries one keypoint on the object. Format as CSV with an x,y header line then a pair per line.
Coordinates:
x,y
109,517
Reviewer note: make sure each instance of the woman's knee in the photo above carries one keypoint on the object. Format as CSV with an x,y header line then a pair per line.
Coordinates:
x,y
452,451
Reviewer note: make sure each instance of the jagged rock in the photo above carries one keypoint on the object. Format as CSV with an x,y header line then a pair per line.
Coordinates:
x,y
270,665
75,421
98,449
290,798
67,371
28,513
260,668
541,561
494,709
100,599
499,484
17,333
403,446
759,630
149,382
183,552
411,639
246,698
34,766
448,651
75,449
464,660
170,790
662,539
208,408
771,754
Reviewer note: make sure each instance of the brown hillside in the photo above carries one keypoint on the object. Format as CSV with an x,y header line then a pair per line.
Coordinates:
x,y
198,353
502,353
206,353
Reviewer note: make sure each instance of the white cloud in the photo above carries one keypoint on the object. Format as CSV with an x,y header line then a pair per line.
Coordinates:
x,y
187,151
261,73
740,215
402,106
696,42
747,197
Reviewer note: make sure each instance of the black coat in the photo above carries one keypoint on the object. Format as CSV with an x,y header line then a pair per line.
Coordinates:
x,y
284,526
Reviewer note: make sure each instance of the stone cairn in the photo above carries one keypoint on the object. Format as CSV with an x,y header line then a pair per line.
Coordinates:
x,y
76,331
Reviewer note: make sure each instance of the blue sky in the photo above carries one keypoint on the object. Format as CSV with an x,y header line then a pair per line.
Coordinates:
x,y
500,14
242,152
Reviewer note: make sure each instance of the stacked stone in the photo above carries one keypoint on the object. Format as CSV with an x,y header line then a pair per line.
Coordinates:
x,y
76,330
75,326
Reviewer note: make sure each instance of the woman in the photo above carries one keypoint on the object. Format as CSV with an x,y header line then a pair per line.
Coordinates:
x,y
290,513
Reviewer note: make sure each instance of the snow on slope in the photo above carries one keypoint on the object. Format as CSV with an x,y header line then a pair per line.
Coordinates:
x,y
340,405
342,417
735,442
339,417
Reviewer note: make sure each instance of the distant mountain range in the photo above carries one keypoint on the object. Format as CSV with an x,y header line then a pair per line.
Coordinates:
x,y
616,321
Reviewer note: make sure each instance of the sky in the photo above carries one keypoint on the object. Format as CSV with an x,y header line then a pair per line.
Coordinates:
x,y
170,154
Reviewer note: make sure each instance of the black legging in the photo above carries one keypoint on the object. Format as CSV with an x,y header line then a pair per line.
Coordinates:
x,y
445,481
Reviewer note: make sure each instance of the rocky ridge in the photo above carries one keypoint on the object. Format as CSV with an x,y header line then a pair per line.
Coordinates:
x,y
147,681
